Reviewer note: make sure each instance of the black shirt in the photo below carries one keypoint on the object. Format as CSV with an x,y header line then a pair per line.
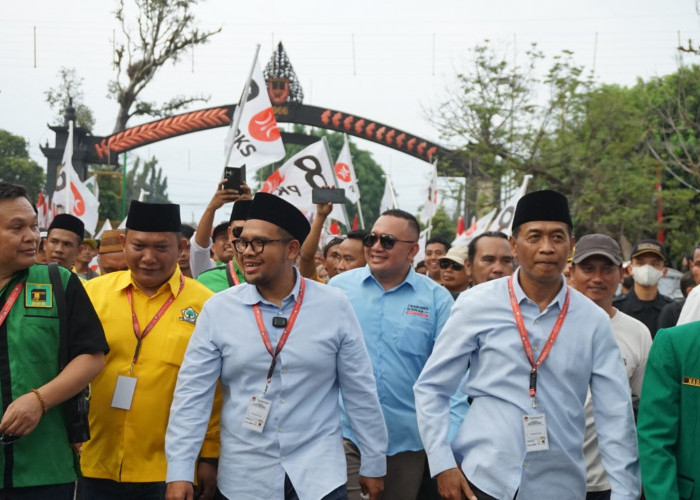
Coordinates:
x,y
646,311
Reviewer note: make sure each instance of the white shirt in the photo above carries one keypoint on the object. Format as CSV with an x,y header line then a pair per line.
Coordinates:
x,y
634,340
691,308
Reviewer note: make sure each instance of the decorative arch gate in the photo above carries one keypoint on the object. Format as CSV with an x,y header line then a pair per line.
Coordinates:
x,y
286,96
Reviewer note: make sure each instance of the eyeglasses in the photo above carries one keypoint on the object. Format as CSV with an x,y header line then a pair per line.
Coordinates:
x,y
446,263
258,245
8,438
387,241
237,231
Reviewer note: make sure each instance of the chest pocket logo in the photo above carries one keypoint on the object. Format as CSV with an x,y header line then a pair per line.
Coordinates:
x,y
38,295
691,381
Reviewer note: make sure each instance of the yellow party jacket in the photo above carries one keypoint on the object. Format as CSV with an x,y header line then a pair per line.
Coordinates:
x,y
129,445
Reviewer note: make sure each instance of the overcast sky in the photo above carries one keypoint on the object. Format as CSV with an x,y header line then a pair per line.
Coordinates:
x,y
403,57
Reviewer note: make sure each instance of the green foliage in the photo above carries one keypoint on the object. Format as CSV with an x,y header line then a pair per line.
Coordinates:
x,y
69,89
16,166
443,225
590,142
150,179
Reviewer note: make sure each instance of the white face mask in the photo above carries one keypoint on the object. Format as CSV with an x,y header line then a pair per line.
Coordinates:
x,y
646,275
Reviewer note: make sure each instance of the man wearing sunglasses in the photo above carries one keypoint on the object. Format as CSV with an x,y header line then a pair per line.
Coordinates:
x,y
523,435
453,273
401,313
201,242
230,273
295,346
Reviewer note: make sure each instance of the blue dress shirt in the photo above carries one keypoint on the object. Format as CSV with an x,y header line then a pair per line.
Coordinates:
x,y
400,327
302,437
482,330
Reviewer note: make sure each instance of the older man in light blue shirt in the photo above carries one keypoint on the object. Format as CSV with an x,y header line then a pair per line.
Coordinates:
x,y
296,450
501,449
401,313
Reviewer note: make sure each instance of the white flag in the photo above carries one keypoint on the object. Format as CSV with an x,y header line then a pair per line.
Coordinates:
x,y
310,168
503,221
422,238
388,200
71,193
257,142
431,202
345,173
475,229
107,226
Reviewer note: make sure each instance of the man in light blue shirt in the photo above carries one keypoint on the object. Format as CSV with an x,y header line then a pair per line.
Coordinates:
x,y
524,433
280,422
401,313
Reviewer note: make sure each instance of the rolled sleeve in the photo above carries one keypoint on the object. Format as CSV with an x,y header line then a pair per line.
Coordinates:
x,y
200,259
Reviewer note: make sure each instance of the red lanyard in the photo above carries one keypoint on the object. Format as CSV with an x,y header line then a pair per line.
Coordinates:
x,y
10,302
285,333
526,340
151,324
234,276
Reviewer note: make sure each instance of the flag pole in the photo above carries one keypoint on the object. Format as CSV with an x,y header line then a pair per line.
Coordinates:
x,y
68,168
236,119
359,212
335,179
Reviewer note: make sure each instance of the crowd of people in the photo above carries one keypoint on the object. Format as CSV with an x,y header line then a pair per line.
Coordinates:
x,y
246,360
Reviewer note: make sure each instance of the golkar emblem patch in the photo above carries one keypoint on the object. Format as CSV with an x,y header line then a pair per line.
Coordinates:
x,y
189,315
38,295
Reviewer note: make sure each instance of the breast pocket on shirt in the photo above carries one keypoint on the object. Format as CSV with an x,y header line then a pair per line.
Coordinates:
x,y
174,348
414,334
39,338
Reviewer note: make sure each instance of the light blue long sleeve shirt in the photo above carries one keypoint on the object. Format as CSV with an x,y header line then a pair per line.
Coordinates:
x,y
302,436
400,327
482,329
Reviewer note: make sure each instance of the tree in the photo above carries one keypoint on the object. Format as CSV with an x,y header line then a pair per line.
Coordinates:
x,y
16,166
583,140
443,225
150,179
163,31
69,92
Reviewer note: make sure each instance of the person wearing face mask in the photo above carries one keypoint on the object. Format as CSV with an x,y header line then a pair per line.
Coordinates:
x,y
643,301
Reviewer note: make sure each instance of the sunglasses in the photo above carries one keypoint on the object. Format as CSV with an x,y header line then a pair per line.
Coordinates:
x,y
237,232
387,241
446,263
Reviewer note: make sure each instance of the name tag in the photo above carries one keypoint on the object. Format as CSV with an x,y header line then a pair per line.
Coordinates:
x,y
535,429
256,414
124,392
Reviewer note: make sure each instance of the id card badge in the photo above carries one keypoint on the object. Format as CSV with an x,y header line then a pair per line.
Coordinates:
x,y
256,414
123,392
535,428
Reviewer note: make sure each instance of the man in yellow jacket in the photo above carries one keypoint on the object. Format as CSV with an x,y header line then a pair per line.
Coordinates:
x,y
148,312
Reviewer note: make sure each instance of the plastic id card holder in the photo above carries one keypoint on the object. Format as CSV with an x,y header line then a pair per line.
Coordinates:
x,y
124,392
256,414
535,429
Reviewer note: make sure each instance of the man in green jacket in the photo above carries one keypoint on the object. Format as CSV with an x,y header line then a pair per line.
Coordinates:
x,y
37,461
669,416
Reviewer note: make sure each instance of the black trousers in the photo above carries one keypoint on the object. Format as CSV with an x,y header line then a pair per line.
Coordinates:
x,y
290,493
51,491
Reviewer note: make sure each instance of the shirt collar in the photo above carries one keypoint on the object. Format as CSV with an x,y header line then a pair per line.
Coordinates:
x,y
520,295
250,295
172,285
409,280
